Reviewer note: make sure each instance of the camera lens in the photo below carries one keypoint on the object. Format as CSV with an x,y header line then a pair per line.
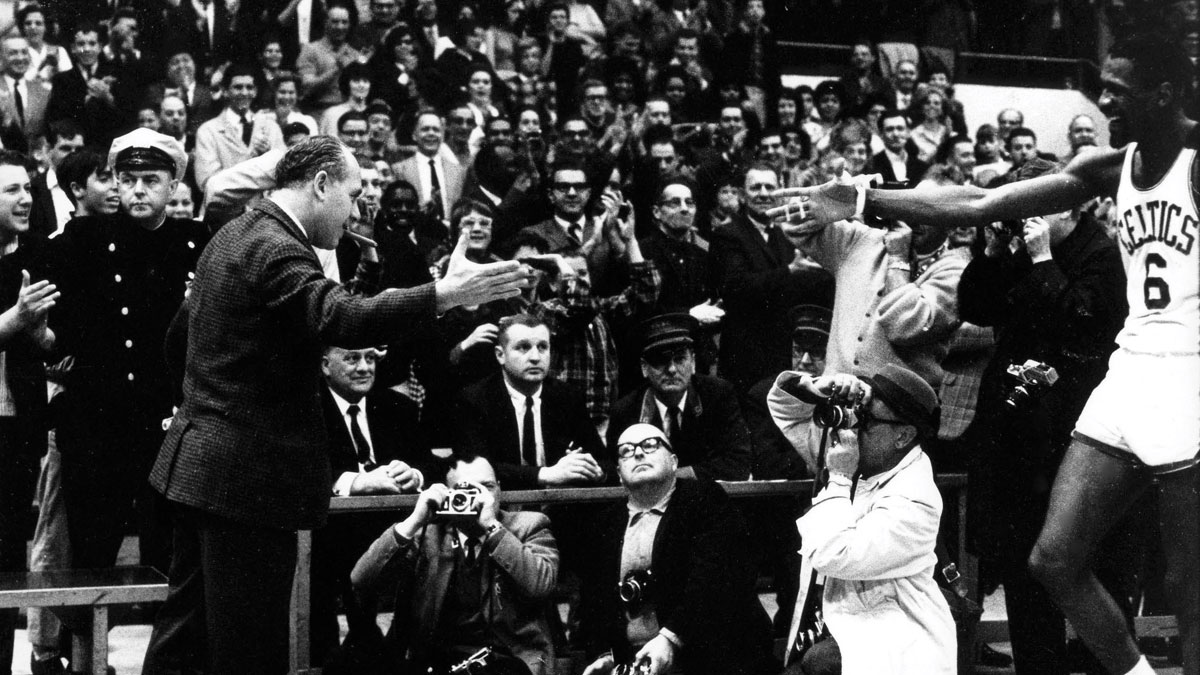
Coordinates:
x,y
829,415
459,502
1019,397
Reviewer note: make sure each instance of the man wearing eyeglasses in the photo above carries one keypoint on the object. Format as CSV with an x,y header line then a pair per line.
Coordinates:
x,y
571,231
697,413
687,549
872,530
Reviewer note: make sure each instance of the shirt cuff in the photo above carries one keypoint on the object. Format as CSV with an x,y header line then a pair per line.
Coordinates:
x,y
341,487
674,639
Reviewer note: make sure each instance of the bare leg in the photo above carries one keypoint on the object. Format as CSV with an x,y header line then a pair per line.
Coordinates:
x,y
1091,492
1179,514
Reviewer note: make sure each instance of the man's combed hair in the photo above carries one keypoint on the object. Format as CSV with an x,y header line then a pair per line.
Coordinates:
x,y
14,158
527,320
1157,58
306,159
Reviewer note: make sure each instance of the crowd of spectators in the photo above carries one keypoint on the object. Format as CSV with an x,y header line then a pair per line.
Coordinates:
x,y
629,152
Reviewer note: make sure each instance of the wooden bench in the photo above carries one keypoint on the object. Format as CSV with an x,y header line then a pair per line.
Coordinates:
x,y
97,589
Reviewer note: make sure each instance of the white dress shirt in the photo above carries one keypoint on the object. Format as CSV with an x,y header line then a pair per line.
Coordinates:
x,y
341,486
899,162
304,20
423,170
64,210
518,403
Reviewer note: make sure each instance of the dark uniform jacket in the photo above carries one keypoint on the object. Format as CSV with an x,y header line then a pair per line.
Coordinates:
x,y
249,442
121,285
712,439
703,585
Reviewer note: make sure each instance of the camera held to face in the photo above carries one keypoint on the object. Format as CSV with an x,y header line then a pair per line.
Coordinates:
x,y
636,589
461,505
833,415
1029,381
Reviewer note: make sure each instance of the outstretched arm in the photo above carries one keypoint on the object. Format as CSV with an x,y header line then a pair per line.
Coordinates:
x,y
1087,176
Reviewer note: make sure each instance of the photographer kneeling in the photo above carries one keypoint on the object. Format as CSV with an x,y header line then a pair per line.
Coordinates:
x,y
873,529
470,576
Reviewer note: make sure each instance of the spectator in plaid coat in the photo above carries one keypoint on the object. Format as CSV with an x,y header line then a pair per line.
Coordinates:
x,y
245,462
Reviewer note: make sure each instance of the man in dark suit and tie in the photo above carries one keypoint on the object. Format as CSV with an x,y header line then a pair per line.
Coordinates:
x,y
699,414
897,162
246,462
759,276
572,232
84,93
535,430
699,612
374,448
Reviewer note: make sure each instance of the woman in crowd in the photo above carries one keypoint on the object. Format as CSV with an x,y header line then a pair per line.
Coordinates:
x,y
831,107
397,73
45,59
468,334
934,128
482,98
355,85
285,94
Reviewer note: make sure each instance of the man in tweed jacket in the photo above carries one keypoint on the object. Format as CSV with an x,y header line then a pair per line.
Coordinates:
x,y
245,461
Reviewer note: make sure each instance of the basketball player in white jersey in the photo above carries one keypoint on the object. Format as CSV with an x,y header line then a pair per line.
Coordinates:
x,y
1141,426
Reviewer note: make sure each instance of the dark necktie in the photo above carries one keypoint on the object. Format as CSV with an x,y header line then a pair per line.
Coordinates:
x,y
672,423
183,94
435,191
528,441
576,230
361,446
20,103
472,552
247,130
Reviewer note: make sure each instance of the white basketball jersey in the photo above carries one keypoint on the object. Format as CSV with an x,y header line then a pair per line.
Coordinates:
x,y
1158,232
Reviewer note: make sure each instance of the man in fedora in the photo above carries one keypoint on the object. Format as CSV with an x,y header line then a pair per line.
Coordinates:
x,y
873,529
699,414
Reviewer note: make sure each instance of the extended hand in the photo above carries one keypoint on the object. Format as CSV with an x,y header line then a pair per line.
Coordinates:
x,y
819,205
471,283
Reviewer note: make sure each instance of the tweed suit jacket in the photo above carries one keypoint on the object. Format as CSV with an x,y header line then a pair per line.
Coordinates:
x,y
249,442
486,424
522,567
